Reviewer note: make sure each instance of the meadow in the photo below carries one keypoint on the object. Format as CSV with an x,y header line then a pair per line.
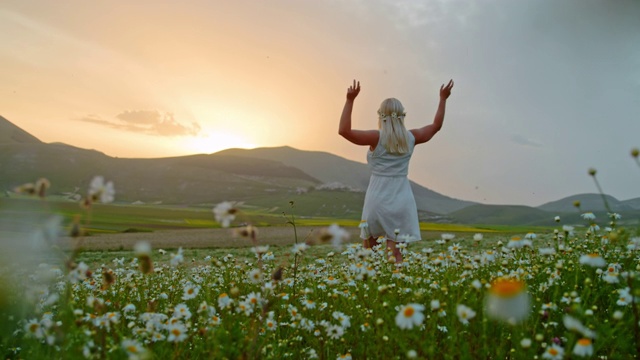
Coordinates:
x,y
312,290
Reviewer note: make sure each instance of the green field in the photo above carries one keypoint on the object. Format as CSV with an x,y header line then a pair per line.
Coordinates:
x,y
120,218
457,299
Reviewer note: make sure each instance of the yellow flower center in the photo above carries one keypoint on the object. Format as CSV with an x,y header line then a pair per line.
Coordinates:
x,y
408,312
132,349
176,332
553,351
507,287
34,327
594,256
584,342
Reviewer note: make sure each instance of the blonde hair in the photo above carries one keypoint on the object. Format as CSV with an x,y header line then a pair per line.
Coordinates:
x,y
393,134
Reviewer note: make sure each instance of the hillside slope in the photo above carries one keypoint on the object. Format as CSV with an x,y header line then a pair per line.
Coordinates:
x,y
329,168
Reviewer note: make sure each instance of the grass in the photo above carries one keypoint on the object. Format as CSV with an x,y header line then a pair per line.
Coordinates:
x,y
118,218
271,296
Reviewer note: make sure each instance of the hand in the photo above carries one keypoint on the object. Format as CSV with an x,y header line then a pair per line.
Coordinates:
x,y
353,90
445,91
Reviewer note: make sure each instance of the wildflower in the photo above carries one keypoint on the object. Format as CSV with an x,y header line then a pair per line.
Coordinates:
x,y
454,249
611,275
255,276
618,315
489,256
334,234
307,324
515,243
177,332
190,291
224,301
465,313
588,216
346,356
583,347
593,260
574,324
557,219
182,311
270,323
293,311
308,304
409,316
142,250
224,213
625,297
246,307
260,250
312,354
435,304
405,238
34,328
134,349
477,237
298,249
249,231
101,191
547,251
177,258
530,236
447,237
508,300
553,352
335,331
525,343
412,354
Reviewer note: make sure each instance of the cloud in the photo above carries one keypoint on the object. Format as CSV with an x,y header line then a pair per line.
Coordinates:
x,y
151,122
521,140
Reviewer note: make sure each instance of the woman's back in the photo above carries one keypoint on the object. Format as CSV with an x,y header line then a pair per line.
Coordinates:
x,y
383,163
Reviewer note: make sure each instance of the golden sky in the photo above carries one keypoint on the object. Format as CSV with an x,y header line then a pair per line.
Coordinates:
x,y
165,78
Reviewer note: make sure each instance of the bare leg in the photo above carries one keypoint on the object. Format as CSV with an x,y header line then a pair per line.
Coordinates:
x,y
391,246
369,243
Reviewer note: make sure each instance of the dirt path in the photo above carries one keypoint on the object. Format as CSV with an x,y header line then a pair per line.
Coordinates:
x,y
195,238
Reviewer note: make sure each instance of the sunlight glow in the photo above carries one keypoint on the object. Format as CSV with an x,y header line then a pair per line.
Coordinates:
x,y
218,141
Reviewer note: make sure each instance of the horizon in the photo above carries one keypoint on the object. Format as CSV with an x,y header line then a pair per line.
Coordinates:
x,y
544,91
333,154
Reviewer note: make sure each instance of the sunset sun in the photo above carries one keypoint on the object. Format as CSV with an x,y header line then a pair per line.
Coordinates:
x,y
214,142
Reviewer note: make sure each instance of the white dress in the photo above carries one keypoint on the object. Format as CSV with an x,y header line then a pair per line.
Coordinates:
x,y
389,205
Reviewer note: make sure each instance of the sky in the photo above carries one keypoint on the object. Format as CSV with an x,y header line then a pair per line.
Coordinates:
x,y
544,89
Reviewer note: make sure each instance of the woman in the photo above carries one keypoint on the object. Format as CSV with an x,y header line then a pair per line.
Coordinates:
x,y
390,210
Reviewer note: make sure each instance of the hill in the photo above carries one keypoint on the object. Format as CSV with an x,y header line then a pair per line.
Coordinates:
x,y
265,179
502,215
323,184
590,202
11,134
332,169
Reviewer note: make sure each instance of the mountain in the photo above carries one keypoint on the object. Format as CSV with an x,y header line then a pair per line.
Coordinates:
x,y
11,134
267,179
322,184
332,169
590,202
502,215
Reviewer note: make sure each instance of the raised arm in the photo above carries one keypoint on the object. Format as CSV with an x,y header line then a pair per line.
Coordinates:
x,y
425,133
358,137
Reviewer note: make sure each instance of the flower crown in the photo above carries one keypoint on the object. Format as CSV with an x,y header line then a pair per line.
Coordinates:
x,y
394,115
